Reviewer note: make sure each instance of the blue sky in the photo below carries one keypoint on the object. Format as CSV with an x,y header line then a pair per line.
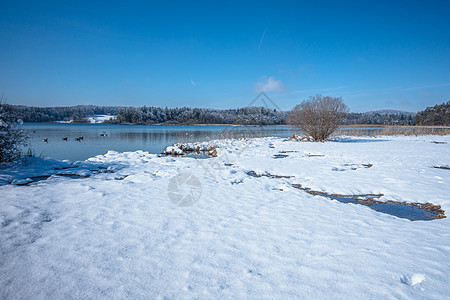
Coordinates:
x,y
375,54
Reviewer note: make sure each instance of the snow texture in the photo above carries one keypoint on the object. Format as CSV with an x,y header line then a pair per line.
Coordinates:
x,y
111,231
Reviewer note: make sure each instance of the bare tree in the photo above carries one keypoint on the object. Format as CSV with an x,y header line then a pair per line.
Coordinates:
x,y
12,137
319,116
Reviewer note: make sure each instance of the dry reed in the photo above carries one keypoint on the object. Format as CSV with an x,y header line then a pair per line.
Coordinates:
x,y
392,130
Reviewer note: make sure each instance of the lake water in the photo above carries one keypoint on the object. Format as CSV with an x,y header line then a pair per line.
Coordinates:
x,y
151,138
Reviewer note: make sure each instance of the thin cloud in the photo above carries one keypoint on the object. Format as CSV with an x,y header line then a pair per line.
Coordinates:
x,y
426,86
269,85
361,60
318,90
262,38
193,83
385,91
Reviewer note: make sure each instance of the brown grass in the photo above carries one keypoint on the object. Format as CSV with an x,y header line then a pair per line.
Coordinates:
x,y
393,130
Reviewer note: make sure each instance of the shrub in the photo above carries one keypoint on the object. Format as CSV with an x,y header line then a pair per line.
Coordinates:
x,y
12,137
319,116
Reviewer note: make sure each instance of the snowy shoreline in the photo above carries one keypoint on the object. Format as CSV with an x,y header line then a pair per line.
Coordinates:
x,y
112,226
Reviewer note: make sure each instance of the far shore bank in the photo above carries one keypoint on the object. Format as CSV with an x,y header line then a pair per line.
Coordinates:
x,y
248,125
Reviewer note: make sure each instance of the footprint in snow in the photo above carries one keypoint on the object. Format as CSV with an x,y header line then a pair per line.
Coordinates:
x,y
350,166
254,273
412,280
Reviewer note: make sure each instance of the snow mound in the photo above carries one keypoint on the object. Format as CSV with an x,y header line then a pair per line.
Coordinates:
x,y
413,280
173,150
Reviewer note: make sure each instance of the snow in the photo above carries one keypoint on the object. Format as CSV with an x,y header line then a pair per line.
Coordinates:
x,y
414,279
93,119
100,118
175,150
21,181
120,233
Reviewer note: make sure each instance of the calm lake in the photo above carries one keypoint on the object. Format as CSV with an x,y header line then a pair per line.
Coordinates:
x,y
151,138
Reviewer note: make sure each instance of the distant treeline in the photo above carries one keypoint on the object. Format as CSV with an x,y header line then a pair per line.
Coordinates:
x,y
188,115
152,115
78,113
437,115
383,117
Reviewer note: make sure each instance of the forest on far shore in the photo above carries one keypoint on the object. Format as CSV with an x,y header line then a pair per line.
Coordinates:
x,y
439,115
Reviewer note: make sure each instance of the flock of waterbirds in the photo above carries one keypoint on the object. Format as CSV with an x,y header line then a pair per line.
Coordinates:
x,y
78,139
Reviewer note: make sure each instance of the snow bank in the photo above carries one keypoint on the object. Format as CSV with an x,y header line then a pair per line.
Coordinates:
x,y
93,119
100,118
173,150
181,149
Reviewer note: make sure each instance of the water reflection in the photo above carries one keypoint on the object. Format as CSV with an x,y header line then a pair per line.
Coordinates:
x,y
151,138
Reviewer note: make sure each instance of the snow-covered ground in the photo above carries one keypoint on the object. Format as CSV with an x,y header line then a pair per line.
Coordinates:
x,y
100,118
93,119
143,226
